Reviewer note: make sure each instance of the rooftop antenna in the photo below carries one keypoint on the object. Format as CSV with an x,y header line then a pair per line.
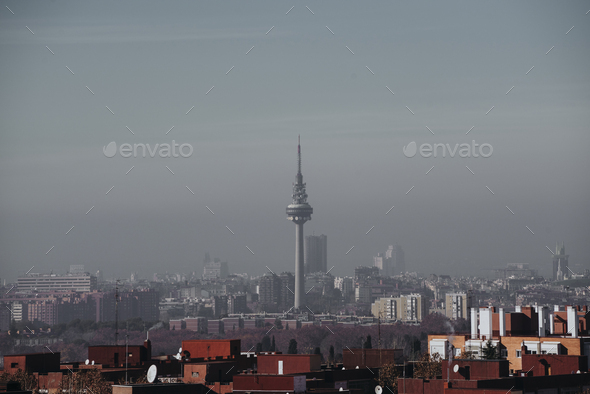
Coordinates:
x,y
126,350
117,312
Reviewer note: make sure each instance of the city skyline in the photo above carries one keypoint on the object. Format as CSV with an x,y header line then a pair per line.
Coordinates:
x,y
247,79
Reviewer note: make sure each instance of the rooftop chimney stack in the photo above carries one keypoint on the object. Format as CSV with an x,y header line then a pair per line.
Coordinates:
x,y
542,313
473,323
502,321
485,322
572,321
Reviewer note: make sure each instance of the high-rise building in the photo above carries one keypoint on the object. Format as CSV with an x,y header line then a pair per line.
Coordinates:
x,y
316,253
275,292
287,297
411,307
299,212
269,289
363,273
362,293
237,303
457,305
215,270
380,262
395,262
560,263
346,287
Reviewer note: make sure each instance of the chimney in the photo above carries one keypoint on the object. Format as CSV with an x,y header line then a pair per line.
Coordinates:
x,y
542,315
148,345
572,321
485,322
502,320
473,323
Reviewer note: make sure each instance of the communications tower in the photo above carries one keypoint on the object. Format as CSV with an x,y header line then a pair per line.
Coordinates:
x,y
299,212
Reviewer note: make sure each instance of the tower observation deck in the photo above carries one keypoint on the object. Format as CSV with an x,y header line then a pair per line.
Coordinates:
x,y
299,212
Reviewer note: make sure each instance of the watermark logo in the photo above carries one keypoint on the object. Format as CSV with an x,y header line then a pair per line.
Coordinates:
x,y
410,149
146,150
443,150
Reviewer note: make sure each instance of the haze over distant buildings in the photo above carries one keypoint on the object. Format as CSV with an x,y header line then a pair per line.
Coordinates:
x,y
240,93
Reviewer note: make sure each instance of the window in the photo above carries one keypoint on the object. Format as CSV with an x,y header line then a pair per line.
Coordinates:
x,y
518,354
13,365
195,374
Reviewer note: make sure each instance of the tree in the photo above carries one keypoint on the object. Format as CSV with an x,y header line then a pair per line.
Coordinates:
x,y
428,367
388,375
466,355
265,343
259,347
317,350
90,381
278,324
368,343
26,381
292,347
331,354
273,345
490,352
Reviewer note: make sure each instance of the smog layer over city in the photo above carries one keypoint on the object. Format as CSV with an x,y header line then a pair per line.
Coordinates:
x,y
247,181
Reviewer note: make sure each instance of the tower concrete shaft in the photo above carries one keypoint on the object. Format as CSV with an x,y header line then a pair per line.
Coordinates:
x,y
299,274
299,212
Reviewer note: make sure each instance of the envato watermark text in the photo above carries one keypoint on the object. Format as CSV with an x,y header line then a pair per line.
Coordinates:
x,y
135,150
462,150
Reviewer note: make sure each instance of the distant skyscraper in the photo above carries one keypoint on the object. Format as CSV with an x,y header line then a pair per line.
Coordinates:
x,y
560,263
215,270
395,260
316,253
299,212
392,263
380,262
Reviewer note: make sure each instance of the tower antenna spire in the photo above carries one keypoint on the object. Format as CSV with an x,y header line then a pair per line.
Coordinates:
x,y
299,154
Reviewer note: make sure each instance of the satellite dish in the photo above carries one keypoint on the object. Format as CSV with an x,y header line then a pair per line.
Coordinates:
x,y
87,361
151,373
343,368
341,389
92,362
357,367
456,368
179,350
578,371
378,390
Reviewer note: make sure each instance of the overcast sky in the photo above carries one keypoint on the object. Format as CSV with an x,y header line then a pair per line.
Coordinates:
x,y
252,77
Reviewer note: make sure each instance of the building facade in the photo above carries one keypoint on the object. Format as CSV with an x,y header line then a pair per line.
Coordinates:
x,y
410,307
316,253
37,283
456,306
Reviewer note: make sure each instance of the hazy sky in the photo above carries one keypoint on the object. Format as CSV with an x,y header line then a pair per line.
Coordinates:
x,y
324,72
